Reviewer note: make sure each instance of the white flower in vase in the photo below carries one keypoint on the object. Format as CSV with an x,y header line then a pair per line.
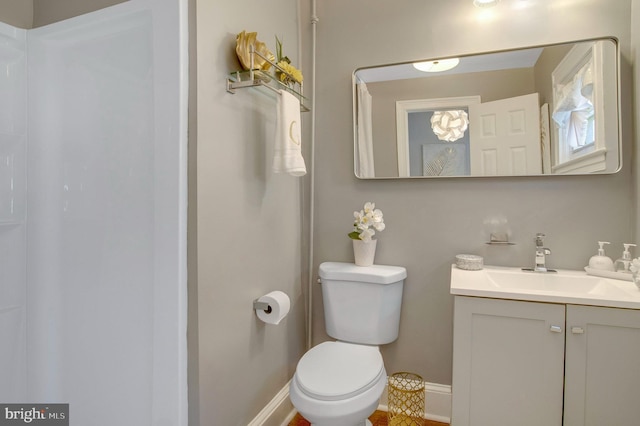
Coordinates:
x,y
367,222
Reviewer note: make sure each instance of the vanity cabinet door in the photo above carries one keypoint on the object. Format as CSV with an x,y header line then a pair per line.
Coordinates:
x,y
508,363
602,377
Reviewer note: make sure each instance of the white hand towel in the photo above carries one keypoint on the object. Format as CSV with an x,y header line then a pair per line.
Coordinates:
x,y
288,148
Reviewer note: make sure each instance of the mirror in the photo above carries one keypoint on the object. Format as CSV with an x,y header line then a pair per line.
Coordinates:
x,y
544,110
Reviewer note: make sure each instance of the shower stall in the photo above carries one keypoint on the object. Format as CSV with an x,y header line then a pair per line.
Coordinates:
x,y
93,196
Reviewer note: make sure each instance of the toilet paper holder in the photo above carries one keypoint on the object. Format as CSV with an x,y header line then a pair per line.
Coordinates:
x,y
261,305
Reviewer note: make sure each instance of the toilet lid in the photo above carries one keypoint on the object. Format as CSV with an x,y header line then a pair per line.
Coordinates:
x,y
337,370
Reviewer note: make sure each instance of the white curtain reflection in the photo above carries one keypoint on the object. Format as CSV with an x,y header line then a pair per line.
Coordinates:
x,y
365,132
575,111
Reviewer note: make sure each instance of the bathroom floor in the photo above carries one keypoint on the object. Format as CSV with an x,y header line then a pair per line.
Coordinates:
x,y
379,418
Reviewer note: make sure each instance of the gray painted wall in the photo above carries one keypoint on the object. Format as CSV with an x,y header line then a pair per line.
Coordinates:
x,y
36,13
430,221
249,221
18,13
193,371
635,54
47,11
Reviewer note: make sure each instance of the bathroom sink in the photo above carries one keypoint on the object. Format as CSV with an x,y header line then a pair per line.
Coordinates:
x,y
553,282
565,286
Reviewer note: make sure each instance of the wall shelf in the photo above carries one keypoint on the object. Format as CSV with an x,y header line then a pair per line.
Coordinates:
x,y
261,78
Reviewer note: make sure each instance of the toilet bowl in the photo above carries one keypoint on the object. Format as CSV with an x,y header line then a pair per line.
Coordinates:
x,y
338,384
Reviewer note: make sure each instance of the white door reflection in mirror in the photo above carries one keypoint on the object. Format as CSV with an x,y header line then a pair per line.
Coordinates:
x,y
505,137
420,151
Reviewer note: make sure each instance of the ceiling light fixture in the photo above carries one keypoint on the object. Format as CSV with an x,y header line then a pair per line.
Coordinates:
x,y
437,66
449,125
485,3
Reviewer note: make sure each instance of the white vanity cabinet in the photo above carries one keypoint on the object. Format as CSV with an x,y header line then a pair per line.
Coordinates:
x,y
508,363
511,365
602,369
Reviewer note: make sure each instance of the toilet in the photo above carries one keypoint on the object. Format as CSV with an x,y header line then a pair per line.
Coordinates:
x,y
339,383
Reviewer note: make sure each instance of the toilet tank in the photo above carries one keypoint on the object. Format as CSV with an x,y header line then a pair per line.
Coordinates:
x,y
362,303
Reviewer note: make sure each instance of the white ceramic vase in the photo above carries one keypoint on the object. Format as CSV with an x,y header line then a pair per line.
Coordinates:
x,y
364,252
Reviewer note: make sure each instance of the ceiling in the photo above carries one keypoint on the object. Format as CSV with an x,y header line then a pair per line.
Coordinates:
x,y
524,58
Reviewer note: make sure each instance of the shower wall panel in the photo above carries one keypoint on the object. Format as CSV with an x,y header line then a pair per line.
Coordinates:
x,y
106,241
12,214
91,217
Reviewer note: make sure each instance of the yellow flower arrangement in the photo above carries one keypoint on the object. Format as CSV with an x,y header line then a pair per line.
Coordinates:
x,y
291,74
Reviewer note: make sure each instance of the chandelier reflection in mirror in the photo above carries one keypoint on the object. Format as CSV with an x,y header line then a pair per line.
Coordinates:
x,y
449,125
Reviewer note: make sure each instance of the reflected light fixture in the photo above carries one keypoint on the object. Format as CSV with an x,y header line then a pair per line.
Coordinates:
x,y
437,66
449,125
485,3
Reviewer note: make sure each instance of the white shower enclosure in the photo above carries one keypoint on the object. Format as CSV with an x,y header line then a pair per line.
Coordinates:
x,y
93,215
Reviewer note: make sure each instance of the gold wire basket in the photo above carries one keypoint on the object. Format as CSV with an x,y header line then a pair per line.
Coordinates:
x,y
406,400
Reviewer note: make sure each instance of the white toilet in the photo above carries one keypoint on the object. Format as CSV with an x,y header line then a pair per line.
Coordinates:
x,y
340,383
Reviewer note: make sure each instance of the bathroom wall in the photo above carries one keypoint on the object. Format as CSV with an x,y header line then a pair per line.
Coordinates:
x,y
430,221
18,13
36,13
47,11
635,55
193,376
249,221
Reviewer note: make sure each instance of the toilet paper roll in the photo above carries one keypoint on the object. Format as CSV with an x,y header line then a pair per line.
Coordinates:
x,y
279,303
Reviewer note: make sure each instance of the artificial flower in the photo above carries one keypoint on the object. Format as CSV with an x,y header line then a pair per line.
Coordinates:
x,y
366,222
286,72
290,73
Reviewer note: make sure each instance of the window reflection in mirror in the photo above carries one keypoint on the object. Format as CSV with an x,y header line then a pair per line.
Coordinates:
x,y
544,110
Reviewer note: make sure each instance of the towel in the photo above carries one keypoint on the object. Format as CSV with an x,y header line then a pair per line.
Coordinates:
x,y
288,148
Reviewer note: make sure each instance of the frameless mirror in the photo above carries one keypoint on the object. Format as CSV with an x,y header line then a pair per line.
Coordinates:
x,y
544,110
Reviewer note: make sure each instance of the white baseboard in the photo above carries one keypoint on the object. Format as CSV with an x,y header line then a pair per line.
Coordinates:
x,y
279,411
278,408
289,417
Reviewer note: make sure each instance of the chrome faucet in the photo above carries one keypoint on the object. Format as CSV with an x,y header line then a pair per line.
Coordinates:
x,y
541,253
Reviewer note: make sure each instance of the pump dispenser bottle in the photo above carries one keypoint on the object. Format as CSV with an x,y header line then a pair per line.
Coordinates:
x,y
600,261
623,264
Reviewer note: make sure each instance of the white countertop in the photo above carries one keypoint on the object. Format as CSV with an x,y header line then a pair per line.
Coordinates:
x,y
565,286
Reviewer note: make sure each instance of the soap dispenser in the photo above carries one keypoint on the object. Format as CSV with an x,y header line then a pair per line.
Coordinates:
x,y
623,264
600,261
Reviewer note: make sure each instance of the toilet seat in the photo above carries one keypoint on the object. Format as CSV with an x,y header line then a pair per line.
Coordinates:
x,y
337,370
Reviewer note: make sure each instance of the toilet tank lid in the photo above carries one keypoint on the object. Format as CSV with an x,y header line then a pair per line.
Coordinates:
x,y
377,274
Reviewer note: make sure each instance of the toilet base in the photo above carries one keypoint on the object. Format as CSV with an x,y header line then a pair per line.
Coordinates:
x,y
352,411
366,423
